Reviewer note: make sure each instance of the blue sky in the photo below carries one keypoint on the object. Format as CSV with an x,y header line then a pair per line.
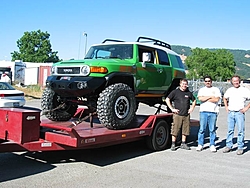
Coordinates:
x,y
194,23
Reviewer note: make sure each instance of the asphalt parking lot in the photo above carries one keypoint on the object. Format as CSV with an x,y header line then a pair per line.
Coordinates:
x,y
132,164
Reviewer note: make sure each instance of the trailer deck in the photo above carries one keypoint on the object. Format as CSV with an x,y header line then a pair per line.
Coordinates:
x,y
21,129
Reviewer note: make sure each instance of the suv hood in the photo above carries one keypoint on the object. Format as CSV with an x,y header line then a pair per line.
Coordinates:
x,y
92,62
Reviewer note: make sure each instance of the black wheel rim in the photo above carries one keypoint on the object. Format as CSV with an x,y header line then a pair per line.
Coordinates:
x,y
121,107
160,136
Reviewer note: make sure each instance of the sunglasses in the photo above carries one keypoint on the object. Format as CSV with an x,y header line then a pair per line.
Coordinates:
x,y
207,80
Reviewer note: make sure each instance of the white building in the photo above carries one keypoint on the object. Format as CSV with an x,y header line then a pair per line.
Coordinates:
x,y
28,73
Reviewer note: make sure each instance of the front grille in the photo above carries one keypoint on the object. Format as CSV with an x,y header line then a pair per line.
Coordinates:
x,y
68,70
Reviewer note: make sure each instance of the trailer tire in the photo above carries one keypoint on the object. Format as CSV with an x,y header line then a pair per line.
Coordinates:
x,y
116,106
160,138
50,101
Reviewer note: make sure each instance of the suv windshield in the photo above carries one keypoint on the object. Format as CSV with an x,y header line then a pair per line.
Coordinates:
x,y
121,51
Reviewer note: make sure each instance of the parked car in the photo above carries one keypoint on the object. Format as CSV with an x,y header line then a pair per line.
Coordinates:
x,y
195,93
10,97
221,102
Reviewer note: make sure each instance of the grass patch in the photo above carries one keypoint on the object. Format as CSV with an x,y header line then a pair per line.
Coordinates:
x,y
31,92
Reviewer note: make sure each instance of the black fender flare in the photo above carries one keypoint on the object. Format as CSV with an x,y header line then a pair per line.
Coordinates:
x,y
121,77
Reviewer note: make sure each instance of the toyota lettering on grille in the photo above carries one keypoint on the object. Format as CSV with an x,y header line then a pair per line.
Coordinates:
x,y
67,70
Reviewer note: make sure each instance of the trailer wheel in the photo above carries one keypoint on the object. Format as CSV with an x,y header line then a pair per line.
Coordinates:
x,y
116,106
50,101
160,138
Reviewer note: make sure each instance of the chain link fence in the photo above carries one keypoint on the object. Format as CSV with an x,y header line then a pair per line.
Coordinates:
x,y
195,85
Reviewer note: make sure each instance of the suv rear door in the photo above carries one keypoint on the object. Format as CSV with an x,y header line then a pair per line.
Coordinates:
x,y
164,65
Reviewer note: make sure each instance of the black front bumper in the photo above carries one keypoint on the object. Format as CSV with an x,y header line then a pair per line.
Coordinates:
x,y
75,86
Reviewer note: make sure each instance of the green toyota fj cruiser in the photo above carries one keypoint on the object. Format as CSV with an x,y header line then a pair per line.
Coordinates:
x,y
112,79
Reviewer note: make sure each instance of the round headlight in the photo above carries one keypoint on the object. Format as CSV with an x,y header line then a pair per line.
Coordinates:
x,y
85,70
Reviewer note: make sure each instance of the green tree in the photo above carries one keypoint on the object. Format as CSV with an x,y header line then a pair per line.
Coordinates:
x,y
35,46
219,64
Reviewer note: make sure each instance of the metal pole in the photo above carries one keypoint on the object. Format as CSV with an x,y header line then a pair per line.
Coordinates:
x,y
86,35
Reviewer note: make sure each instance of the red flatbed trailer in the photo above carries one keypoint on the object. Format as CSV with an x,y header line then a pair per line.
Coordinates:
x,y
21,129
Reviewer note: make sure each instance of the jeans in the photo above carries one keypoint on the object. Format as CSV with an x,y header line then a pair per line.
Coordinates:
x,y
237,118
207,118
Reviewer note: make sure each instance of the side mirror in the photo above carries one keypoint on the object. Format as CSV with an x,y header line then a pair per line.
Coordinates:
x,y
146,57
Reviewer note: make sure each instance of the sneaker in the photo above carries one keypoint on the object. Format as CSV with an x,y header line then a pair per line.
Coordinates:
x,y
239,151
199,148
213,149
185,146
173,148
227,150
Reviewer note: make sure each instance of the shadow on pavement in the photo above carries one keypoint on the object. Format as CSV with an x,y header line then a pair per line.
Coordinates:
x,y
99,156
14,166
222,144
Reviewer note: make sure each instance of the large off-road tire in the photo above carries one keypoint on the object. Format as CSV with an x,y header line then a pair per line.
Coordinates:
x,y
160,138
116,106
50,101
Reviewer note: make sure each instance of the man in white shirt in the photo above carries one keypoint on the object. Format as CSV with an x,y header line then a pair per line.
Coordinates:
x,y
209,97
234,101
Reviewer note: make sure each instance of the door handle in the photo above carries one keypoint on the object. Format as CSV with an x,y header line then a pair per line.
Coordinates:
x,y
160,70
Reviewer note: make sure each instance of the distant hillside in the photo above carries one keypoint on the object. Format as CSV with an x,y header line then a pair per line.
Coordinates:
x,y
241,58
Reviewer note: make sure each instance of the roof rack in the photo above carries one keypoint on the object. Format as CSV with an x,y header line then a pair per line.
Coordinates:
x,y
156,42
112,40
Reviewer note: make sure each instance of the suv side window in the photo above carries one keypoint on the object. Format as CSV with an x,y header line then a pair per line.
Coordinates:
x,y
163,57
181,65
176,61
143,49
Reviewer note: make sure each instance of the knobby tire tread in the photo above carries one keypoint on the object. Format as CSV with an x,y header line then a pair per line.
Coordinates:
x,y
48,104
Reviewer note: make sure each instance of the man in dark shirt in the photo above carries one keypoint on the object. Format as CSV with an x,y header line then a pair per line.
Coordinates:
x,y
181,108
